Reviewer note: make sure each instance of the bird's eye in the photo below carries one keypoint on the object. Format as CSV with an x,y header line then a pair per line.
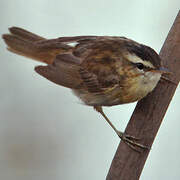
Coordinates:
x,y
140,66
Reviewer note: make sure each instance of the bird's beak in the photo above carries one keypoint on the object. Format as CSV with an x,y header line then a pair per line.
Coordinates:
x,y
162,70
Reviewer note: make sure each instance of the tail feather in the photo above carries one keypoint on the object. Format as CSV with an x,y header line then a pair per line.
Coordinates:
x,y
26,35
30,45
63,67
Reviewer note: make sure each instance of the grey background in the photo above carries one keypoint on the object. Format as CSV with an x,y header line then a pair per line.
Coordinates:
x,y
45,132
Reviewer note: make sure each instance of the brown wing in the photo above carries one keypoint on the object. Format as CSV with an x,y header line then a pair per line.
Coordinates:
x,y
63,71
90,81
89,64
100,66
99,81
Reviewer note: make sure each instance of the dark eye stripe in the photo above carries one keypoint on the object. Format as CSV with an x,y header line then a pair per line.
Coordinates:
x,y
145,53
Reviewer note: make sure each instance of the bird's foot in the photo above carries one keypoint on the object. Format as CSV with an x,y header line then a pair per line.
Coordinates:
x,y
131,141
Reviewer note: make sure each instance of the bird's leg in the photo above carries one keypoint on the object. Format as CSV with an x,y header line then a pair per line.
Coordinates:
x,y
129,140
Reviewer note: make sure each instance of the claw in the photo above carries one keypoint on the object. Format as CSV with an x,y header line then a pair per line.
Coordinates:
x,y
131,141
132,137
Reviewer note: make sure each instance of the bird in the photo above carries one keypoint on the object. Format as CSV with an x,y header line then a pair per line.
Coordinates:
x,y
100,70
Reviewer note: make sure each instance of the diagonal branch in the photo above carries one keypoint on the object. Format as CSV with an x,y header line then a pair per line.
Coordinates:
x,y
149,112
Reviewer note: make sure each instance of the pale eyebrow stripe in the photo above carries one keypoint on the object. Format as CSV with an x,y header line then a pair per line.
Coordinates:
x,y
135,59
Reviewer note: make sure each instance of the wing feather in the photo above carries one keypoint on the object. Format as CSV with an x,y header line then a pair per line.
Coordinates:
x,y
63,71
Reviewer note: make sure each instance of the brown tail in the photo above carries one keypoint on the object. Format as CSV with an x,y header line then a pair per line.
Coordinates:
x,y
27,44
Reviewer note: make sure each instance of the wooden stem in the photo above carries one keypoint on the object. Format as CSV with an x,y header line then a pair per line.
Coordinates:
x,y
149,112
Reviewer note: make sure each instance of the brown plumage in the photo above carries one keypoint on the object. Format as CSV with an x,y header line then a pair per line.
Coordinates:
x,y
92,67
101,70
